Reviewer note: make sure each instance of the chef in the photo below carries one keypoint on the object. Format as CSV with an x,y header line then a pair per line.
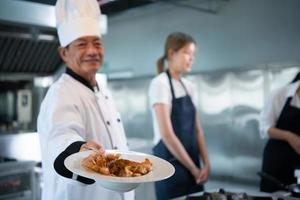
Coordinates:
x,y
280,123
77,113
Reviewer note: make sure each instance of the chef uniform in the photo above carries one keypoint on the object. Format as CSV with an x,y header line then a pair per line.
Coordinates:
x,y
279,158
183,114
73,112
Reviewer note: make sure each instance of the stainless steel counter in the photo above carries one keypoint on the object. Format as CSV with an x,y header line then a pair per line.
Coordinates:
x,y
21,146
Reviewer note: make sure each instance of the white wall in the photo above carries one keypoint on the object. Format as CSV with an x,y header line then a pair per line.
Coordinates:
x,y
244,33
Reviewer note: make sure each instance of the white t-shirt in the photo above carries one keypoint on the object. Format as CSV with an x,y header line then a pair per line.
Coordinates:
x,y
274,105
160,92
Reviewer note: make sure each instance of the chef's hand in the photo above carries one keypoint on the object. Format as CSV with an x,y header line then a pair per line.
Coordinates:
x,y
294,141
92,145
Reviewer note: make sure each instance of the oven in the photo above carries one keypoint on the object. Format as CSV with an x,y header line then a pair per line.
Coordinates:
x,y
18,180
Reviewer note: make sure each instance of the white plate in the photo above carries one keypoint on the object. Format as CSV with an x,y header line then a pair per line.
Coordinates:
x,y
161,170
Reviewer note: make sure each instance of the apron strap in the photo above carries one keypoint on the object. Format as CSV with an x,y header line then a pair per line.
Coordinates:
x,y
184,87
171,85
170,81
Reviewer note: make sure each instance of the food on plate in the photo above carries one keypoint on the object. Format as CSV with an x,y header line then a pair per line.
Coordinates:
x,y
114,165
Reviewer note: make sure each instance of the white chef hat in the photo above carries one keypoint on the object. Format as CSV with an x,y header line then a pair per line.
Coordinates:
x,y
78,18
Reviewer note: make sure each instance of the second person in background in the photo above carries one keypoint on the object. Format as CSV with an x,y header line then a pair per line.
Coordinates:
x,y
178,135
280,124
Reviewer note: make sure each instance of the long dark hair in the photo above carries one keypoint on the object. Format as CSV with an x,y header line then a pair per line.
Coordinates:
x,y
175,41
296,78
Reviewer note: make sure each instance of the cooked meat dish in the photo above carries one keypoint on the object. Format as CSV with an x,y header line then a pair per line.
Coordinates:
x,y
113,165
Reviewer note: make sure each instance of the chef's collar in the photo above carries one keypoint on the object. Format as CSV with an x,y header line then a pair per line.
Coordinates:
x,y
79,78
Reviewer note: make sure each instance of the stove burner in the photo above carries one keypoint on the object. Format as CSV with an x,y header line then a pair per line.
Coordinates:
x,y
223,195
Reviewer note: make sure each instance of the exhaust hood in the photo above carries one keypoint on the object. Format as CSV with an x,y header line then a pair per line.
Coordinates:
x,y
28,40
28,37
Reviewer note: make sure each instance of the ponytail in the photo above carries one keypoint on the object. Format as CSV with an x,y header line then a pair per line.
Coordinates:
x,y
160,64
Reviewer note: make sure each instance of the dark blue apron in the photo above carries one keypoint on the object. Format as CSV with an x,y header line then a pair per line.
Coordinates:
x,y
183,115
280,159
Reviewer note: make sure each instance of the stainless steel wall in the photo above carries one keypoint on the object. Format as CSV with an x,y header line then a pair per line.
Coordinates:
x,y
229,103
131,98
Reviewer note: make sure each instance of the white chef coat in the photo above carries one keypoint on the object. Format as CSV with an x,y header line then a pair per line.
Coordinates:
x,y
160,92
72,112
274,105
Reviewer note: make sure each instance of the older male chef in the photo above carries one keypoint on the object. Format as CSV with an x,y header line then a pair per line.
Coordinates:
x,y
77,113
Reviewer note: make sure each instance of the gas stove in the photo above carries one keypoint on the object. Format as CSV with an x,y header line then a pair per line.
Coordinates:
x,y
226,195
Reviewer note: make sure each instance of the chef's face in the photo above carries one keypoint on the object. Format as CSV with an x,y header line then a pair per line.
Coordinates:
x,y
84,56
182,60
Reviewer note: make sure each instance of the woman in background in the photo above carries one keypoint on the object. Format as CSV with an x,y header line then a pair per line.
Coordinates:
x,y
280,121
178,135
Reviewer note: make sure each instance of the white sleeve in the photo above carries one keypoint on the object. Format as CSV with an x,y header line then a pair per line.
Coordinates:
x,y
271,111
59,124
159,93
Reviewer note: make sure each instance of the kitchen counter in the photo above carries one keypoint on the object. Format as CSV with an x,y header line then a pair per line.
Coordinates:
x,y
21,146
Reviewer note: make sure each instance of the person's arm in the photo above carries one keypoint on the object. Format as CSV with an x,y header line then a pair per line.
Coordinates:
x,y
269,116
169,138
75,147
203,176
270,112
62,134
292,138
